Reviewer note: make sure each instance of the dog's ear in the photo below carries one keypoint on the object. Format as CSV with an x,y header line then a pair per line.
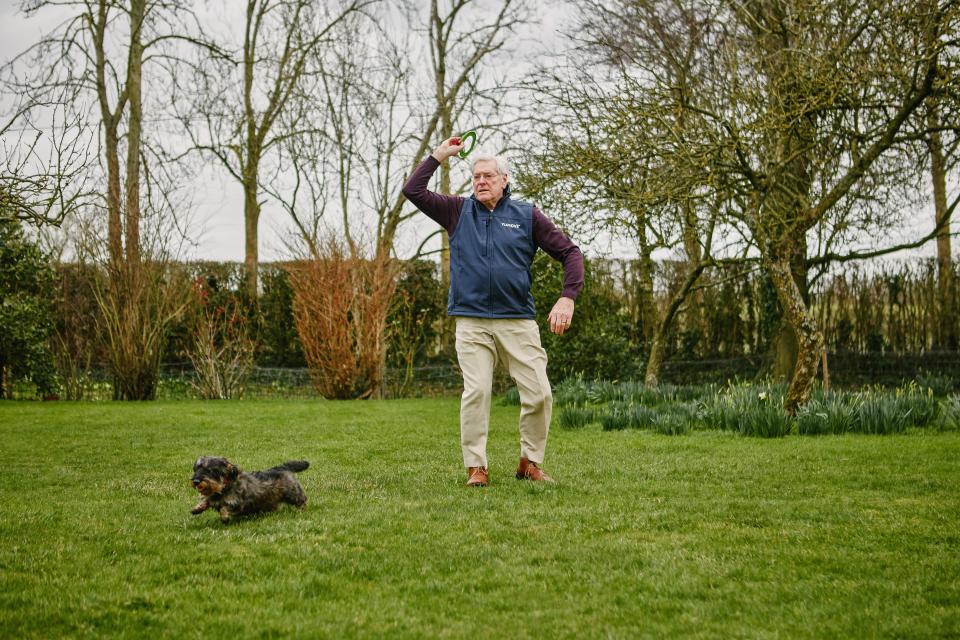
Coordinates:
x,y
232,471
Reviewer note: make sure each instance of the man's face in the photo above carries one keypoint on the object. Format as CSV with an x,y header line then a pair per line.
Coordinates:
x,y
488,184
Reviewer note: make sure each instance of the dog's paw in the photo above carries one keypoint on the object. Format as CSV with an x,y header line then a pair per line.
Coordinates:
x,y
200,508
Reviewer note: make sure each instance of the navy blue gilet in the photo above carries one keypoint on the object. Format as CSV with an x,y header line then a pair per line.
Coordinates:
x,y
490,257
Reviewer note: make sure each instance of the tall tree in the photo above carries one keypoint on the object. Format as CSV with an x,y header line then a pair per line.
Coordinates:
x,y
99,56
942,142
837,85
805,109
235,100
940,157
376,114
607,160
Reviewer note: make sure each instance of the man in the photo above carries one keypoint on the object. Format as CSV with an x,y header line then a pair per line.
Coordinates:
x,y
493,239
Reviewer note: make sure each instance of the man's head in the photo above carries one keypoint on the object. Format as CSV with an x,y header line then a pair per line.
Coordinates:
x,y
490,177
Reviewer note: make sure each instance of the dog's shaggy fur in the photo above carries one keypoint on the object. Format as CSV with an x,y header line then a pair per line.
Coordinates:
x,y
233,492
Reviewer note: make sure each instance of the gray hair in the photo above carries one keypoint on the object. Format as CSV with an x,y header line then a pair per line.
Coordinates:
x,y
503,167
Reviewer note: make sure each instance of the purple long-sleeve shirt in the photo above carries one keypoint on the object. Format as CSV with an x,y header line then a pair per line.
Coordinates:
x,y
445,210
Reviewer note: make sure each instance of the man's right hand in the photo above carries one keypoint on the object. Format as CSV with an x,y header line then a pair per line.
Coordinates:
x,y
448,148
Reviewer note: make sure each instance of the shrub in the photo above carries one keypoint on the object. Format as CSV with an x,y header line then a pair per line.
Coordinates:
x,y
340,305
950,414
692,392
828,414
766,420
603,391
749,410
77,343
571,392
940,384
138,305
880,413
26,313
511,398
221,348
576,417
671,423
278,344
720,412
623,415
920,405
416,314
600,343
650,396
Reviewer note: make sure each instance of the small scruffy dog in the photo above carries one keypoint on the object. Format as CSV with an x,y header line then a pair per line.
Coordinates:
x,y
233,492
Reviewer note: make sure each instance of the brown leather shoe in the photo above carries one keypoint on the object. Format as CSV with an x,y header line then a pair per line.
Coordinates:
x,y
531,471
478,477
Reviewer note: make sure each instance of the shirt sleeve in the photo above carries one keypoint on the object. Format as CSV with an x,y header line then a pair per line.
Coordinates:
x,y
443,209
559,247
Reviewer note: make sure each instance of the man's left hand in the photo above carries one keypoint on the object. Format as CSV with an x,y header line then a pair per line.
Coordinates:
x,y
561,316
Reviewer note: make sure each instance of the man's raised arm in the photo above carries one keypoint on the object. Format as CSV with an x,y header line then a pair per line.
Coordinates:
x,y
443,209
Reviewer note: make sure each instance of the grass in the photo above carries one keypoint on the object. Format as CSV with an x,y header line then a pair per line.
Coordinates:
x,y
643,535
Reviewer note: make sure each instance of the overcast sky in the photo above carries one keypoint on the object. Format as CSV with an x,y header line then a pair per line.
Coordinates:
x,y
216,225
217,221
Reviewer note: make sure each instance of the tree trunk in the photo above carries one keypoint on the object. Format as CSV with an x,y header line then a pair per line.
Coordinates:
x,y
134,135
447,322
646,307
651,375
111,139
439,43
947,337
787,348
696,312
251,219
809,338
658,344
114,221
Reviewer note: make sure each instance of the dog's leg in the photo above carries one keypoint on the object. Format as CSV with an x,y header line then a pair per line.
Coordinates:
x,y
225,515
202,506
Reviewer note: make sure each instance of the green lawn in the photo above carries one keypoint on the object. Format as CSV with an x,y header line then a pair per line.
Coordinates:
x,y
705,535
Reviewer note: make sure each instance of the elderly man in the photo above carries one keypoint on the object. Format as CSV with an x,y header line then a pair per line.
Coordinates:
x,y
493,239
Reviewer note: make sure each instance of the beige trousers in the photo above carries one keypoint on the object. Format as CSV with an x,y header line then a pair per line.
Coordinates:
x,y
481,342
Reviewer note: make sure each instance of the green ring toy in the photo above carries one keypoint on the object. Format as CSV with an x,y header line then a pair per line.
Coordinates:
x,y
463,140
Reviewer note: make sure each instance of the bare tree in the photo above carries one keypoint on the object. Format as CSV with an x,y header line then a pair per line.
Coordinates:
x,y
941,156
607,160
795,125
235,99
942,141
44,165
839,85
98,58
379,114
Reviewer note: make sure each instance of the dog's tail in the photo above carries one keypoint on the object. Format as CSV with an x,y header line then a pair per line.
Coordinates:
x,y
293,465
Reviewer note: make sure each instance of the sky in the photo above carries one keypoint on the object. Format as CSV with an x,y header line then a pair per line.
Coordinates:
x,y
216,223
216,220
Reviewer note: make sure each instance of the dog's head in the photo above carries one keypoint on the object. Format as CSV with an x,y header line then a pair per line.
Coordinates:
x,y
212,475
